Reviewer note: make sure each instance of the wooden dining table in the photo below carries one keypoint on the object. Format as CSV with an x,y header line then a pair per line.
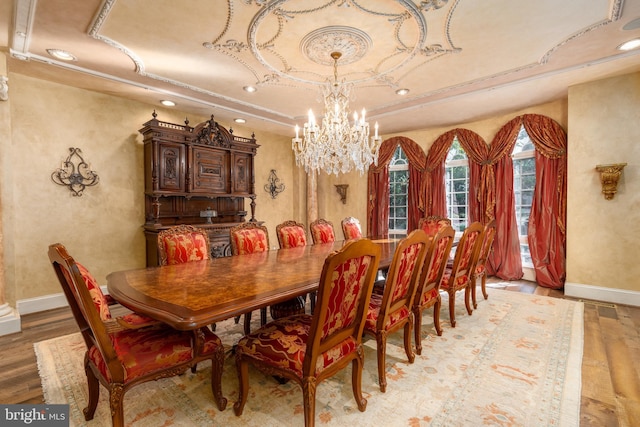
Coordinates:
x,y
196,294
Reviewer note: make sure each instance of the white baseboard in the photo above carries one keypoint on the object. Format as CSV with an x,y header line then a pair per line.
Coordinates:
x,y
44,303
598,293
10,323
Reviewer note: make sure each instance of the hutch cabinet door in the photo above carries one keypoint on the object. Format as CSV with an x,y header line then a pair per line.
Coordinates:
x,y
209,170
171,167
242,173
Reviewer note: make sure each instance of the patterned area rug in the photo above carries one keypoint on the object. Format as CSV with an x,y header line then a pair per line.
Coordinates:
x,y
515,362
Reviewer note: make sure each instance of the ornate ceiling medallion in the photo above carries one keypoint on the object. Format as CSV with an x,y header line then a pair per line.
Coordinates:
x,y
352,43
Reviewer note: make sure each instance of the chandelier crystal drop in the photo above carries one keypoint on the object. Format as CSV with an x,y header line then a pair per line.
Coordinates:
x,y
337,146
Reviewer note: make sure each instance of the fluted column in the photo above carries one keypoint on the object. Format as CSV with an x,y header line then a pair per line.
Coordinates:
x,y
312,197
5,309
9,318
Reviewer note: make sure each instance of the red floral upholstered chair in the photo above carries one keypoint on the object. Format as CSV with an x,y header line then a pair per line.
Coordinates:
x,y
458,277
392,310
120,355
480,271
311,348
322,231
428,288
351,228
183,243
432,224
249,238
291,234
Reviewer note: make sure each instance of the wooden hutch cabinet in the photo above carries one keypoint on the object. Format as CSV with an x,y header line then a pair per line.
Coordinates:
x,y
199,176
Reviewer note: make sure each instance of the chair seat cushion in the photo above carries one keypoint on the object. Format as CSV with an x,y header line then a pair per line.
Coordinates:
x,y
136,320
460,281
282,344
153,349
430,295
374,310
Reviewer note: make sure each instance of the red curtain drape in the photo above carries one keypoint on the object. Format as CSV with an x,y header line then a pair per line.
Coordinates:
x,y
547,222
505,259
477,152
378,186
433,186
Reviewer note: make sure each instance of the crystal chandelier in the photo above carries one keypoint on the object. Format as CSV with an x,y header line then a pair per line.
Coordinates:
x,y
337,146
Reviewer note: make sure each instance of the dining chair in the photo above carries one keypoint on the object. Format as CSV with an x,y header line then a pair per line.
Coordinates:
x,y
308,349
428,287
433,223
351,228
322,231
249,238
121,354
480,271
291,234
458,277
183,243
392,310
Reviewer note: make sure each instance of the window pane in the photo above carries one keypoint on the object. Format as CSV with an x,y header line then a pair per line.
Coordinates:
x,y
398,192
457,185
524,184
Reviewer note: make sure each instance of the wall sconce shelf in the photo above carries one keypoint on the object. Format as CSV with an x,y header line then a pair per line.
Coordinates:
x,y
342,191
609,177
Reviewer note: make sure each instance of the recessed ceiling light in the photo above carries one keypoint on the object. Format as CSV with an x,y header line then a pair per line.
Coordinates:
x,y
629,45
62,54
239,120
250,89
168,103
402,91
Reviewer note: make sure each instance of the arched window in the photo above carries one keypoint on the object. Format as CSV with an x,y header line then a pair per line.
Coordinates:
x,y
398,192
524,183
456,180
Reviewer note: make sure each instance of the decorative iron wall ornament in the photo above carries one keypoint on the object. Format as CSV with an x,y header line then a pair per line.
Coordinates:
x,y
75,173
272,186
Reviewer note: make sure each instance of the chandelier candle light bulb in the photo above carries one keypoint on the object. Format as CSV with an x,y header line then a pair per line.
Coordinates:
x,y
335,146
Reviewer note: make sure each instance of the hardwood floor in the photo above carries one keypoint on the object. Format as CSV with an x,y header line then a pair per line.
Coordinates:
x,y
610,364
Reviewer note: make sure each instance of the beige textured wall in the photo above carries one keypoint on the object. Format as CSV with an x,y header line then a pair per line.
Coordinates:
x,y
603,236
101,229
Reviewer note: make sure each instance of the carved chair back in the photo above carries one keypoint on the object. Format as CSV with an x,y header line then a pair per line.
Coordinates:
x,y
351,228
432,224
183,243
428,288
291,234
249,238
322,231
